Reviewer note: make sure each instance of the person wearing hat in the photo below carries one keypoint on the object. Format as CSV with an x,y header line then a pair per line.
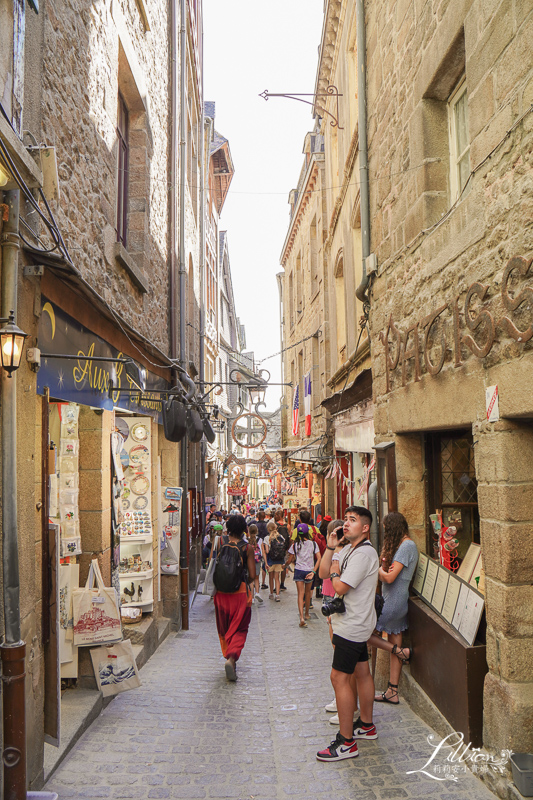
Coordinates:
x,y
305,552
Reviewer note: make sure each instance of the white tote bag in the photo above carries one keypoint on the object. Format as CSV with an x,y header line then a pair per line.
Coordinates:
x,y
209,586
95,611
115,668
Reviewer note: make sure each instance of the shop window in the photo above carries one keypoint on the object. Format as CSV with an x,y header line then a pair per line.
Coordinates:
x,y
452,488
386,477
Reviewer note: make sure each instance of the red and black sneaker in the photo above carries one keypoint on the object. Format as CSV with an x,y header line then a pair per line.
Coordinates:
x,y
363,731
339,749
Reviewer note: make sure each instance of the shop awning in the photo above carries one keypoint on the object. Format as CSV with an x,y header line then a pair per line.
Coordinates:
x,y
360,389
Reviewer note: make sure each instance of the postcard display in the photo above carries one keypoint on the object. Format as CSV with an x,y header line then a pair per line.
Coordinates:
x,y
135,531
455,597
64,510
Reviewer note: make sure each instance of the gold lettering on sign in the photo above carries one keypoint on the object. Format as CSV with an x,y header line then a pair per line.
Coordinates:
x,y
473,323
512,303
427,323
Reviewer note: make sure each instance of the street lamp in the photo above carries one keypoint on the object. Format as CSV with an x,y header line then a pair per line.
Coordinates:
x,y
257,394
11,344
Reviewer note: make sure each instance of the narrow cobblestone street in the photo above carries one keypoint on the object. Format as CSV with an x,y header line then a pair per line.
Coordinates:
x,y
188,733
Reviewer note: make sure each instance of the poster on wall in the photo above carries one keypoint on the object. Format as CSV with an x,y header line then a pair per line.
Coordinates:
x,y
171,500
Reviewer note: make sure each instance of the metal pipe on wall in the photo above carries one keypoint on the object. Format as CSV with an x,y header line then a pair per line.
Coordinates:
x,y
361,290
12,650
203,162
184,461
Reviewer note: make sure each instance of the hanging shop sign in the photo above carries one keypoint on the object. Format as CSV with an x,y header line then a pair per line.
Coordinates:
x,y
88,382
446,334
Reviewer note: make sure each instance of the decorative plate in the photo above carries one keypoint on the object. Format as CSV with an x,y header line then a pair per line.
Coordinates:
x,y
139,454
122,427
140,484
140,502
140,432
125,505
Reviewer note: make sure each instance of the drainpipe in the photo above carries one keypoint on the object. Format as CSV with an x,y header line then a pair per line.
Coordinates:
x,y
361,291
173,179
12,650
184,465
203,444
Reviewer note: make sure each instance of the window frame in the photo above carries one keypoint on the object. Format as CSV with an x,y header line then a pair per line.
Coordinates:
x,y
123,155
435,487
456,157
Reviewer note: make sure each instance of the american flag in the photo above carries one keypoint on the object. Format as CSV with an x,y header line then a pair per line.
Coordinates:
x,y
296,412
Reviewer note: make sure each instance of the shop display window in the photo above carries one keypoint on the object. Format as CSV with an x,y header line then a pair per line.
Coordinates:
x,y
452,493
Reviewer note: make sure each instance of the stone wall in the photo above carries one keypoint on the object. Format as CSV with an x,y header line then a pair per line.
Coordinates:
x,y
451,302
309,303
91,53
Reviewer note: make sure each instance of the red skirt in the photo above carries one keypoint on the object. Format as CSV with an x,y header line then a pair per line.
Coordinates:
x,y
233,614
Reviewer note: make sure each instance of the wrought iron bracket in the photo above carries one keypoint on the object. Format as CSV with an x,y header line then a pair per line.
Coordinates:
x,y
331,91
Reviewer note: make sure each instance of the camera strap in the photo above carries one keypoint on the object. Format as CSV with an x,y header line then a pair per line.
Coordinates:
x,y
352,551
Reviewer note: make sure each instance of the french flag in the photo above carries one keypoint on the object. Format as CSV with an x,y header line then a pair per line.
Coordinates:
x,y
307,403
296,412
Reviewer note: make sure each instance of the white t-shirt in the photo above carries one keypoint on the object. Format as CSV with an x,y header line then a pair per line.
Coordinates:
x,y
361,573
305,555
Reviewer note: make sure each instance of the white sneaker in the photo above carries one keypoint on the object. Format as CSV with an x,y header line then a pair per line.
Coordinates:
x,y
258,598
332,707
335,720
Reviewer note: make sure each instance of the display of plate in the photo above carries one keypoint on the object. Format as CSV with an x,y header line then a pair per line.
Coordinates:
x,y
140,484
139,454
122,427
125,505
140,432
140,502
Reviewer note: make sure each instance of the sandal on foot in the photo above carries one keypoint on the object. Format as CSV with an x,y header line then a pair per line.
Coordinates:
x,y
382,698
399,653
303,624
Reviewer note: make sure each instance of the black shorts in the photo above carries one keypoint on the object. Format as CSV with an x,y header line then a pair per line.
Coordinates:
x,y
347,654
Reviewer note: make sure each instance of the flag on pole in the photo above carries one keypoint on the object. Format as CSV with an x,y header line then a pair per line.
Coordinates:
x,y
307,403
296,412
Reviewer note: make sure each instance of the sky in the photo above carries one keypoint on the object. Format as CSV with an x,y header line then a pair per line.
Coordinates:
x,y
251,46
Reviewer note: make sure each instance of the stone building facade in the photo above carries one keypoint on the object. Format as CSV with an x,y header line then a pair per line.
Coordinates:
x,y
95,83
304,291
349,384
450,128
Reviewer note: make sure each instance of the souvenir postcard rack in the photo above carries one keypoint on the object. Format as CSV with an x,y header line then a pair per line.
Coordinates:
x,y
135,567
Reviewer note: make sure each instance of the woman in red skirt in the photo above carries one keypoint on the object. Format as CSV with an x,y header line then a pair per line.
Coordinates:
x,y
233,609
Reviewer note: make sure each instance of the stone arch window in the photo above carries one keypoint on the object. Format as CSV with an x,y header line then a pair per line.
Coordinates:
x,y
340,304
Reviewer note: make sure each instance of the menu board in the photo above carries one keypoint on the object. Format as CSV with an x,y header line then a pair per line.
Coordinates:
x,y
471,616
429,583
468,565
420,573
439,593
450,601
460,606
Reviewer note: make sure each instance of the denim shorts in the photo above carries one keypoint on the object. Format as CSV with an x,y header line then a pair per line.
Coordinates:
x,y
300,575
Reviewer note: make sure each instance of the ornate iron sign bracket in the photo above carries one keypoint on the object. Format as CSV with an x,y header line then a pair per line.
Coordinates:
x,y
331,91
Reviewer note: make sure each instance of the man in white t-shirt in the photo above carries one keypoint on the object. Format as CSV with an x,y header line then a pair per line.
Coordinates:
x,y
354,576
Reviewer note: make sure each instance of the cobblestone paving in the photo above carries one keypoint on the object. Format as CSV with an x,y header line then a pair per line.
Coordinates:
x,y
188,733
